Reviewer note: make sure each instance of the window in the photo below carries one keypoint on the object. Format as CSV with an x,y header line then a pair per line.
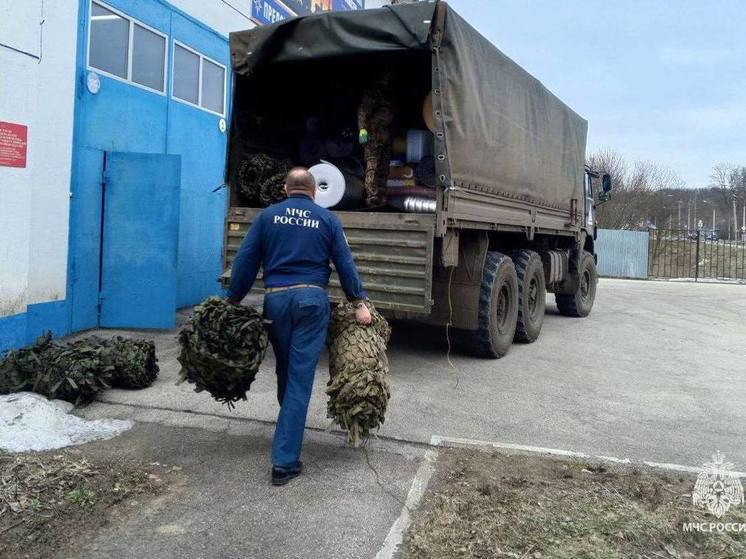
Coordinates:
x,y
109,46
186,75
148,58
213,81
197,80
126,49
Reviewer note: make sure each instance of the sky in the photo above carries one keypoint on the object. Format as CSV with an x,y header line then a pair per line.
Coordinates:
x,y
658,80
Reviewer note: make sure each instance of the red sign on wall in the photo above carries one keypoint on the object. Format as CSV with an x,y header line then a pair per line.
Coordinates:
x,y
13,142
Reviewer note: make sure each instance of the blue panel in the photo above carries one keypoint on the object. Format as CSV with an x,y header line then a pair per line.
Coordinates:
x,y
269,11
53,316
124,117
202,210
12,331
22,329
272,11
127,118
339,5
140,235
85,238
120,117
622,254
306,7
194,134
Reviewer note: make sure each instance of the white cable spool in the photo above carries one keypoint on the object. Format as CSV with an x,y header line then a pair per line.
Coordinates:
x,y
330,184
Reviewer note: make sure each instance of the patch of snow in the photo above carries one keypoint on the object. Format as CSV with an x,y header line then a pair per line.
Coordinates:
x,y
31,422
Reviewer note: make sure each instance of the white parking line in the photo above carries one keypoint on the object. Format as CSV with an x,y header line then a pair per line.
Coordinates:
x,y
419,484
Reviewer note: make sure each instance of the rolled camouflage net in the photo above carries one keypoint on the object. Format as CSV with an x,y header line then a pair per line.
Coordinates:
x,y
16,369
359,386
20,366
134,361
261,179
222,348
272,190
76,371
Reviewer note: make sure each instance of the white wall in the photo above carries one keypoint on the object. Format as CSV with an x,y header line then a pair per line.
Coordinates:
x,y
36,90
223,16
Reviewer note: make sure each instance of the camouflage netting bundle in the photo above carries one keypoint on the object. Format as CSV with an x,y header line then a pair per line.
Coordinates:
x,y
272,190
134,361
359,386
19,366
261,179
76,371
222,348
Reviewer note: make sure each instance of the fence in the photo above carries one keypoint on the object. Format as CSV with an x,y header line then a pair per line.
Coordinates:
x,y
679,253
622,254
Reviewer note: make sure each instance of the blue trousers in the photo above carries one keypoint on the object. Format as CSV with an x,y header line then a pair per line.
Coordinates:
x,y
297,333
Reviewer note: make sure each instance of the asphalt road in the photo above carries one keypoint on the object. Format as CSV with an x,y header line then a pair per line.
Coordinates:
x,y
223,507
657,373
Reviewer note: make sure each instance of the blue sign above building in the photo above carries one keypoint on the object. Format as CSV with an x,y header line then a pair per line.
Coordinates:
x,y
272,11
339,5
269,11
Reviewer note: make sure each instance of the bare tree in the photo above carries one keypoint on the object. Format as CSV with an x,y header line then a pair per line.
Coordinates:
x,y
636,196
730,181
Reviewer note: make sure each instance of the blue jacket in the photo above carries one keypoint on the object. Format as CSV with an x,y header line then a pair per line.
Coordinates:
x,y
294,241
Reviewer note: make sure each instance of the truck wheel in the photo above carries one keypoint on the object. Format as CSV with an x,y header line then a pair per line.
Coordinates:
x,y
498,307
532,295
580,303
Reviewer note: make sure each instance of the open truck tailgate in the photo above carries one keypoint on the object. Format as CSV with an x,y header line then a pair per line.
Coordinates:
x,y
393,253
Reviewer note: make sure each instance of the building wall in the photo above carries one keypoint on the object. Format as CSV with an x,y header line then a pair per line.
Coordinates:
x,y
36,90
39,89
51,210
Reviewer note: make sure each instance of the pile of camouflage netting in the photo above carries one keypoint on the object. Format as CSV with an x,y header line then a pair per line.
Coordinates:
x,y
222,348
261,179
76,371
359,386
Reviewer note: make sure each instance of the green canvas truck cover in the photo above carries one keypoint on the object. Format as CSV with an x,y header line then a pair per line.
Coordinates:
x,y
499,130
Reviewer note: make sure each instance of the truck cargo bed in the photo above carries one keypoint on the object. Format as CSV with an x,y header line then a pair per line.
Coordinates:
x,y
393,253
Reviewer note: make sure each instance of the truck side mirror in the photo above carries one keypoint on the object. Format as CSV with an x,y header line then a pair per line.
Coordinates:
x,y
605,194
606,183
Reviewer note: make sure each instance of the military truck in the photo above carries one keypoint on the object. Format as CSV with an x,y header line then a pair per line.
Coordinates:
x,y
513,212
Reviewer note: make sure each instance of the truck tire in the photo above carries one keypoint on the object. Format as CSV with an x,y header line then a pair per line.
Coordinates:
x,y
580,303
532,295
498,307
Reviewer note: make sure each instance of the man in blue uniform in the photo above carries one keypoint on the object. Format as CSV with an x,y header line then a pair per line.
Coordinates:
x,y
294,241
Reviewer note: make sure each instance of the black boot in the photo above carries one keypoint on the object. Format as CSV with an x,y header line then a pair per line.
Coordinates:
x,y
281,476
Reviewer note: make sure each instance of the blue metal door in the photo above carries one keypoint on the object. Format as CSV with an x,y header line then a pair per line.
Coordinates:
x,y
140,231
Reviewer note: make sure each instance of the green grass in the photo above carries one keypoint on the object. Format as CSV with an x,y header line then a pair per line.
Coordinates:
x,y
83,498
